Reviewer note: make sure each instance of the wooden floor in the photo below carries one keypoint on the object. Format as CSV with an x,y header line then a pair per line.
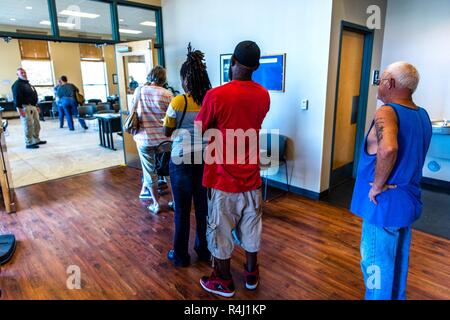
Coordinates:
x,y
310,250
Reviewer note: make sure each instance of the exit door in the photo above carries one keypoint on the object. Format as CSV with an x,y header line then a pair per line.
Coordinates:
x,y
351,103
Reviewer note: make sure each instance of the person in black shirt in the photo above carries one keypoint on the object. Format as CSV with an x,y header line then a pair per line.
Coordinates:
x,y
66,94
25,101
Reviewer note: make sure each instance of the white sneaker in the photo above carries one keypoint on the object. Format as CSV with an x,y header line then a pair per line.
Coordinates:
x,y
145,194
154,208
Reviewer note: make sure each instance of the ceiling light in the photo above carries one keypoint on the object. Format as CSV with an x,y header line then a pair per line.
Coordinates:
x,y
121,20
12,19
29,8
130,31
149,23
79,14
61,24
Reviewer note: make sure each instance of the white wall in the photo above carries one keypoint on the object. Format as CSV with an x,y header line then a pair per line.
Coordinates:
x,y
419,32
299,28
9,62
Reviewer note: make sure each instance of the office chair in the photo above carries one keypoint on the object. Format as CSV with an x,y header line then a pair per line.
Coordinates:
x,y
269,165
85,113
94,101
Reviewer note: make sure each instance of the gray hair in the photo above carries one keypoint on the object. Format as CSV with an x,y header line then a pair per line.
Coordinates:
x,y
405,75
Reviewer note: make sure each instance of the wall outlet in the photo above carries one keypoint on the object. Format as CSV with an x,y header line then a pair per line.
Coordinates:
x,y
305,104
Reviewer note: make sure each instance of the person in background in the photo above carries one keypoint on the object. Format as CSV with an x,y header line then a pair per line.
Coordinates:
x,y
59,107
133,85
67,95
234,194
186,177
25,101
151,102
387,191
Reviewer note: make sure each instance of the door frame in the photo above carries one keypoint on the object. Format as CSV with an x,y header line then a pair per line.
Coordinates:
x,y
364,90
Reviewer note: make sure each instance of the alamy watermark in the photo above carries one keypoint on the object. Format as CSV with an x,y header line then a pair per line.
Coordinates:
x,y
231,146
74,277
374,19
373,281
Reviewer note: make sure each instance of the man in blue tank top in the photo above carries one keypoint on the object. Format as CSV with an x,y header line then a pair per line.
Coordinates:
x,y
387,193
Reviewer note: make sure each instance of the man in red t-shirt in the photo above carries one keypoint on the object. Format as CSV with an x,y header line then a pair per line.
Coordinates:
x,y
233,115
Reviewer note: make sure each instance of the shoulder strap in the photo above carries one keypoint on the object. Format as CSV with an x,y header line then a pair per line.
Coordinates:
x,y
184,112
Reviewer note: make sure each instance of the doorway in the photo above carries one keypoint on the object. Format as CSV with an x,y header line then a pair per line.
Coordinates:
x,y
354,69
134,61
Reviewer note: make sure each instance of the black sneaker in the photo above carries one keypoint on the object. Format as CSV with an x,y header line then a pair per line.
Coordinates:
x,y
177,262
204,256
42,142
32,146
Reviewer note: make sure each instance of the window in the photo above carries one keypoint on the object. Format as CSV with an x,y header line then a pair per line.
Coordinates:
x,y
94,80
137,24
30,16
84,19
137,69
40,75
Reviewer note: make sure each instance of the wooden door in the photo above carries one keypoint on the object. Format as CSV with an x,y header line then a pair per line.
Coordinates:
x,y
349,87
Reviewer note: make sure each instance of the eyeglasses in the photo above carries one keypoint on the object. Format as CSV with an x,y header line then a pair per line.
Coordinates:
x,y
378,82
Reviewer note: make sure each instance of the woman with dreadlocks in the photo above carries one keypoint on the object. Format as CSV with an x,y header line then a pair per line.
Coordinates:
x,y
186,165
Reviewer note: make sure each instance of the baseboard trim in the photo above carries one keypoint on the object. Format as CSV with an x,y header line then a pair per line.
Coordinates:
x,y
427,183
434,184
296,190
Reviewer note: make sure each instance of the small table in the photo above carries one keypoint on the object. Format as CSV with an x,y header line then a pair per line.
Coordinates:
x,y
108,123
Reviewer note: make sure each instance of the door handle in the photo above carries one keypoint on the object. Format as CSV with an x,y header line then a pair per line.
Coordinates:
x,y
355,109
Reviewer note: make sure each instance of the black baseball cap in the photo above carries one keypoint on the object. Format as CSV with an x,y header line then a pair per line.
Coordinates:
x,y
248,54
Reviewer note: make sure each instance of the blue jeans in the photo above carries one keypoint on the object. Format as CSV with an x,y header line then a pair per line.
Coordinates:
x,y
186,181
60,114
70,107
384,261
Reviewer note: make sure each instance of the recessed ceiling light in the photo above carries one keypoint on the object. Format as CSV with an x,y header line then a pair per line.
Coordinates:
x,y
12,19
149,23
29,8
79,14
130,31
61,24
121,20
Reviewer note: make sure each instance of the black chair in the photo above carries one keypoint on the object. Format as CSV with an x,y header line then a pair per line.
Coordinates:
x,y
105,105
86,113
273,159
102,108
83,113
116,107
94,101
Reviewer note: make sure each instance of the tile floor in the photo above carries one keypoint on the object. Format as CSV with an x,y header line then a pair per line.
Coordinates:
x,y
66,153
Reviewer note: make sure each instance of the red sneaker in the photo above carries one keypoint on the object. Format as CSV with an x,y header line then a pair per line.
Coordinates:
x,y
251,278
217,285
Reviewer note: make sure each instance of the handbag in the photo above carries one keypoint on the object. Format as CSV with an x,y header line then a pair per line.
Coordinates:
x,y
131,124
79,97
164,149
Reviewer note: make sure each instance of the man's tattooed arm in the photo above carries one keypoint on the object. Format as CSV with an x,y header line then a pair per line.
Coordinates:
x,y
386,126
379,128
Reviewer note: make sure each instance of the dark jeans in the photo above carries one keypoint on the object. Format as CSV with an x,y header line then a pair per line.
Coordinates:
x,y
70,107
186,180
